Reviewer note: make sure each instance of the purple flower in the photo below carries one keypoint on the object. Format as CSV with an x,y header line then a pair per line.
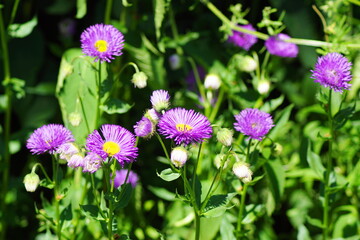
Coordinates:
x,y
91,162
144,128
48,138
120,177
67,150
333,71
253,123
184,126
102,42
114,142
160,100
243,40
276,45
76,160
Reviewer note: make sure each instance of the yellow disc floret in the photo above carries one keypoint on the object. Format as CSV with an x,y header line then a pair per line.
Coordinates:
x,y
101,45
111,148
181,127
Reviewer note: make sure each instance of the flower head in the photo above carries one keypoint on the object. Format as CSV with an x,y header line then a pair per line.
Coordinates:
x,y
243,40
114,141
92,162
333,71
102,42
253,123
160,100
184,126
179,156
152,115
48,138
67,150
144,128
120,177
277,46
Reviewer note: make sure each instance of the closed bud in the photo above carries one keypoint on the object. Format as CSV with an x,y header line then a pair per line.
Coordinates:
x,y
246,64
263,86
212,81
139,79
225,136
174,62
242,171
31,182
74,119
179,156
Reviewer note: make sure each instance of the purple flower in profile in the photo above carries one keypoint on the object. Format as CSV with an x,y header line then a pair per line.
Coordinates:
x,y
243,40
276,45
144,128
48,138
102,42
253,123
91,162
160,100
120,177
76,160
184,126
333,71
114,142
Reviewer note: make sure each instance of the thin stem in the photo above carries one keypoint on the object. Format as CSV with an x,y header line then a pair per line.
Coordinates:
x,y
13,12
199,84
8,94
322,21
241,210
97,119
42,169
108,7
217,105
196,164
326,213
57,196
109,187
166,153
197,226
174,31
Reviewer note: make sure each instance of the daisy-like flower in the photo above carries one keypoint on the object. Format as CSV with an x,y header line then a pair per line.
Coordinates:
x,y
144,128
48,138
243,40
253,123
333,71
276,45
102,42
120,177
160,100
114,142
184,126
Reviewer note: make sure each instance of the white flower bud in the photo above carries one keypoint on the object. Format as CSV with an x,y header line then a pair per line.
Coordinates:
x,y
263,86
139,79
212,81
179,156
31,182
247,64
242,171
225,136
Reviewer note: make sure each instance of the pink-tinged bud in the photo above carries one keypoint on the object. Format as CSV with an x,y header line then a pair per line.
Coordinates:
x,y
179,156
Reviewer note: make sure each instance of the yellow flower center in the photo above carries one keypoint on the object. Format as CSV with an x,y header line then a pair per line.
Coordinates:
x,y
111,148
101,45
181,127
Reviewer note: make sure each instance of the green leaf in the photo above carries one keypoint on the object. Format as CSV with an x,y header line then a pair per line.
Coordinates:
x,y
77,92
253,212
315,162
227,229
22,30
276,175
314,222
159,11
303,233
162,193
280,122
115,106
66,214
271,105
123,195
343,115
346,226
46,183
353,178
91,211
217,205
81,8
168,175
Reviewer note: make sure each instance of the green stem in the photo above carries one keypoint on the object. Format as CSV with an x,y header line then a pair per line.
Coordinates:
x,y
108,7
109,188
97,119
241,210
199,84
326,213
198,159
174,31
57,196
42,169
5,166
217,105
197,226
299,41
166,153
13,12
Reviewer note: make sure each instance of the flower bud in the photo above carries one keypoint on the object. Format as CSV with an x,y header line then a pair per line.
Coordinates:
x,y
67,150
74,119
263,86
152,115
246,64
76,160
225,136
174,62
160,100
144,128
221,161
31,182
179,156
242,171
212,81
139,79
